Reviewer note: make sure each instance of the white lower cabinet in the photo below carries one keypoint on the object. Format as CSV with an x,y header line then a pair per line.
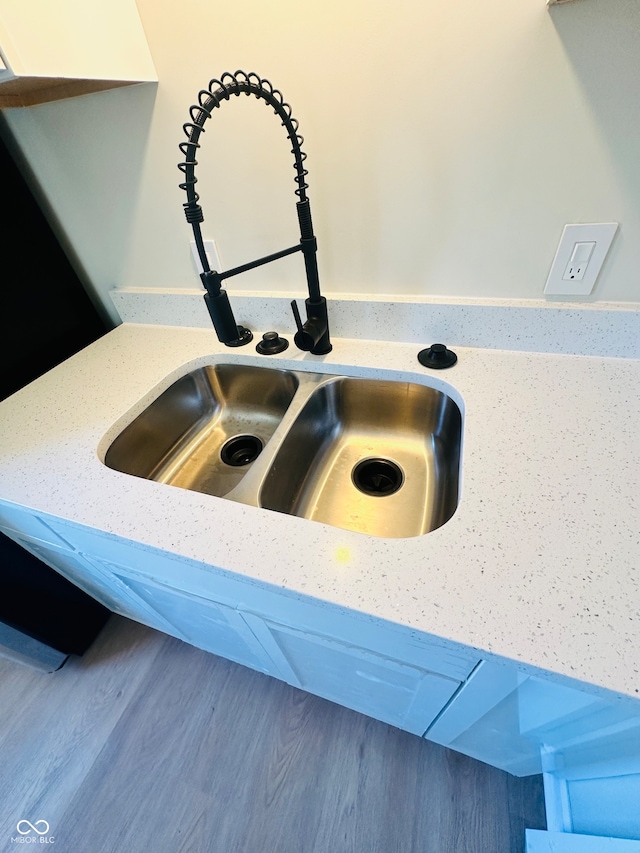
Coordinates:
x,y
386,671
395,692
207,624
587,745
82,572
402,694
539,841
528,724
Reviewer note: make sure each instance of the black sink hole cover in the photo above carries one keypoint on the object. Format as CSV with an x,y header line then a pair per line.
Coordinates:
x,y
377,477
241,450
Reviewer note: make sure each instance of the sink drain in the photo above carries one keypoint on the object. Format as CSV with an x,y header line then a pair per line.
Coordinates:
x,y
377,477
241,450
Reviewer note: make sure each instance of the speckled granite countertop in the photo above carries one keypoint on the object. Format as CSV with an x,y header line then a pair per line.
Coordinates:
x,y
540,564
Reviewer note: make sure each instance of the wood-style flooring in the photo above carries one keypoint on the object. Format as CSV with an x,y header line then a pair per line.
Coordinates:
x,y
147,744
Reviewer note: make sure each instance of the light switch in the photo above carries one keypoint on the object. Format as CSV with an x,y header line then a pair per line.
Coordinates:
x,y
579,258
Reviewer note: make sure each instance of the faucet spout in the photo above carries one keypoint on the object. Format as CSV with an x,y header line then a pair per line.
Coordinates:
x,y
316,327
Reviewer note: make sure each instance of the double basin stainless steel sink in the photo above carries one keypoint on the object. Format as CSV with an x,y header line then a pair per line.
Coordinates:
x,y
379,457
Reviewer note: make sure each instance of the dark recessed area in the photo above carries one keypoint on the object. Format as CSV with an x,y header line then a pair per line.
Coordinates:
x,y
377,477
241,450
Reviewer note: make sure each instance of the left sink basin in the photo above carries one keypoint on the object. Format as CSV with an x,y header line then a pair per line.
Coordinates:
x,y
205,431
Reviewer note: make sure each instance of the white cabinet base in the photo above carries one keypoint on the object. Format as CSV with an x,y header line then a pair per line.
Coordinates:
x,y
539,841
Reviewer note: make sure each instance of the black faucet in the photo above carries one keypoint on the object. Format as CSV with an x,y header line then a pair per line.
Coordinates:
x,y
312,335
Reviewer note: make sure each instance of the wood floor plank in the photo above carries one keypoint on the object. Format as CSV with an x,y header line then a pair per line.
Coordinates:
x,y
205,756
53,725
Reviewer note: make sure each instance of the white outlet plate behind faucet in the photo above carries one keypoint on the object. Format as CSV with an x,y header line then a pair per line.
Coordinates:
x,y
212,255
601,234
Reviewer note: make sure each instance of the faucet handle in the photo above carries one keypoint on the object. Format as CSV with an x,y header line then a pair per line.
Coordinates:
x,y
302,339
296,316
312,336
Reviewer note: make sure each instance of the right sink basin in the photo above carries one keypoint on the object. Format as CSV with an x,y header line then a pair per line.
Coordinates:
x,y
374,456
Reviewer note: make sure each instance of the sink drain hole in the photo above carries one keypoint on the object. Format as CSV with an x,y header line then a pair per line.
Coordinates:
x,y
377,477
241,450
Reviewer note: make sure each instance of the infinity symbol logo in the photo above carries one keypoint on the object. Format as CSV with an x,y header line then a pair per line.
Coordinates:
x,y
40,826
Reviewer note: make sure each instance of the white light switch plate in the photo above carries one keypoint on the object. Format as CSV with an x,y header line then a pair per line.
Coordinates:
x,y
602,235
212,255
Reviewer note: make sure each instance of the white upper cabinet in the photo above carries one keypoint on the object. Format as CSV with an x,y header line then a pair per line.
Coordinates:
x,y
53,50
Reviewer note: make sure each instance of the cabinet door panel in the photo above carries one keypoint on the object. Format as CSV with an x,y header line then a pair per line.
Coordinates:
x,y
206,624
279,606
510,720
484,721
388,690
83,574
14,523
381,669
